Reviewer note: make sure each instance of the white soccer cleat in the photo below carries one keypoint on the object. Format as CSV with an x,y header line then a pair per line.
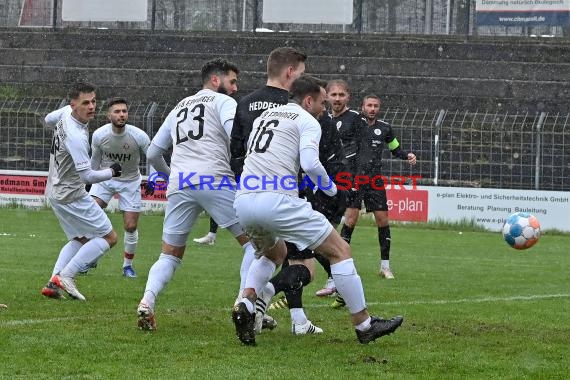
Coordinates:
x,y
386,273
305,329
328,290
68,284
146,320
205,240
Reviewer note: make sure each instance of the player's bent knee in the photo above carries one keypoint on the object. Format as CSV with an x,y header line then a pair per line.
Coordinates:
x,y
130,227
111,238
172,250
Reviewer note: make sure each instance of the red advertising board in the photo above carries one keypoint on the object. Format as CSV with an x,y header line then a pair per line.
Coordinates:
x,y
24,185
407,205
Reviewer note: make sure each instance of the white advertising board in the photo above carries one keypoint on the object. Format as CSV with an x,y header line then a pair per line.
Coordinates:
x,y
104,10
308,11
490,207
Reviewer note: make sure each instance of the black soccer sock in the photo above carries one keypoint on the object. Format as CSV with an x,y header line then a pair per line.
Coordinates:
x,y
292,278
326,264
213,226
384,239
298,275
346,233
294,298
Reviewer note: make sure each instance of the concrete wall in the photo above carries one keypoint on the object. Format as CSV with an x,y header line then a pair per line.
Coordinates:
x,y
411,72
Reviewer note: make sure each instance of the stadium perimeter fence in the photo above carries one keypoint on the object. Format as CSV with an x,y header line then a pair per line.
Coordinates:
x,y
369,16
454,148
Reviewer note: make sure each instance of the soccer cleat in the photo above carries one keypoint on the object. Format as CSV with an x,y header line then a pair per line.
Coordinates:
x,y
338,303
68,284
305,329
205,240
386,273
146,320
52,291
281,303
260,308
379,327
244,320
129,272
268,323
328,290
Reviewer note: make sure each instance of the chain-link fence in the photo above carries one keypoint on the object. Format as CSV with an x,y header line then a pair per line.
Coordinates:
x,y
454,148
369,16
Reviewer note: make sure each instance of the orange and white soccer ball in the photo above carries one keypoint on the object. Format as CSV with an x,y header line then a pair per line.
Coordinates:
x,y
521,230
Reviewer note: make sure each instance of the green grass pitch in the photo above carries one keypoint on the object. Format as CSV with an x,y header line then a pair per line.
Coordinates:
x,y
474,308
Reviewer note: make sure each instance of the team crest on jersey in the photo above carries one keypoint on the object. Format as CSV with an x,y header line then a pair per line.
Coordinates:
x,y
126,146
338,124
377,132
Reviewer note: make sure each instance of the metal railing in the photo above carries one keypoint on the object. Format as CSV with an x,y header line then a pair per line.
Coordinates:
x,y
454,148
369,16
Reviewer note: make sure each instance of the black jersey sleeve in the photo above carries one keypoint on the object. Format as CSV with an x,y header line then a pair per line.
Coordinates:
x,y
394,144
238,141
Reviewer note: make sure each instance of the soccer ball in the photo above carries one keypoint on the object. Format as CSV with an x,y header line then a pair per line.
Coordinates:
x,y
521,230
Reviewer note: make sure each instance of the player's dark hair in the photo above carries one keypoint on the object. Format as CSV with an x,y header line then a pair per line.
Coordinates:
x,y
80,88
111,102
339,83
282,58
217,66
371,96
306,85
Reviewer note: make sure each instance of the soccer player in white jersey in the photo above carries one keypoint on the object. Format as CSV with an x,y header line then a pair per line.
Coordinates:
x,y
85,224
282,140
200,177
120,142
53,117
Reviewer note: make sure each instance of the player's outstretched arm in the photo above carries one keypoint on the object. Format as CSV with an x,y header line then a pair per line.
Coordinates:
x,y
155,157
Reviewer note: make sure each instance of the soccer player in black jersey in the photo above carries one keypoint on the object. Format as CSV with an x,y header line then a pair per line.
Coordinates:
x,y
347,122
371,141
284,65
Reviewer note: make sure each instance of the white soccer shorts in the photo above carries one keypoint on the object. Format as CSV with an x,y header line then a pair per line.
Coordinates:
x,y
184,206
129,193
268,215
82,218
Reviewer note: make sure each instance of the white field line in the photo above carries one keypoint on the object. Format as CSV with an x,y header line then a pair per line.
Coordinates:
x,y
27,322
465,300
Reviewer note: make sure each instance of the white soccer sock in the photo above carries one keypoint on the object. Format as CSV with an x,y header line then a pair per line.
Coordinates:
x,y
349,285
87,254
385,264
248,258
65,255
249,305
130,240
159,275
259,274
269,289
364,325
298,316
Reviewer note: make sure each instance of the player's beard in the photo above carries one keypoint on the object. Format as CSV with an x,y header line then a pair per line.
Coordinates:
x,y
222,90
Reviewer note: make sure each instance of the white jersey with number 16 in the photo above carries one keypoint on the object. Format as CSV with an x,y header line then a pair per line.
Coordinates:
x,y
274,146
